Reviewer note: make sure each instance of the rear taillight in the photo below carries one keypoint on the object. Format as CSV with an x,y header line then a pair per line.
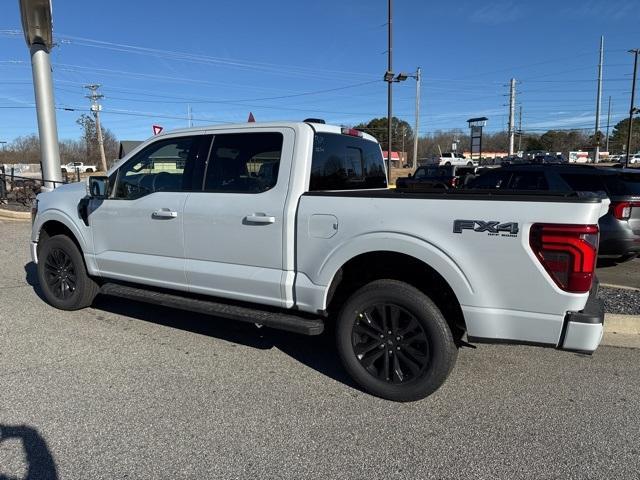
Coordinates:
x,y
567,252
622,210
453,182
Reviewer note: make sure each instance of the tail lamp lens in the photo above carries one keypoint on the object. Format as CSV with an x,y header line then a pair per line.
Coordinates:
x,y
622,210
567,252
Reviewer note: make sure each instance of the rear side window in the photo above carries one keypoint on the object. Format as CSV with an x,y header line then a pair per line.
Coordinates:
x,y
584,183
244,162
492,180
343,162
529,181
624,184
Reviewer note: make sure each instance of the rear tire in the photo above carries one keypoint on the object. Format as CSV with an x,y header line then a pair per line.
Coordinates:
x,y
63,276
394,342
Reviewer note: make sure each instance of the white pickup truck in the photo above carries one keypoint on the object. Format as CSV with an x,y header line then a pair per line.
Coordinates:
x,y
454,158
291,225
73,167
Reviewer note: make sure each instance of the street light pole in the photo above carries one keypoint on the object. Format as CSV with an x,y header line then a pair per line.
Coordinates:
x,y
632,110
36,23
415,133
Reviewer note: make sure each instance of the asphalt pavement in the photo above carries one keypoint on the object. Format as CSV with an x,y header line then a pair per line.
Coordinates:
x,y
128,390
622,274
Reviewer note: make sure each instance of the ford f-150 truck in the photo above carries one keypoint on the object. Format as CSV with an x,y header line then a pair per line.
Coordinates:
x,y
292,226
78,167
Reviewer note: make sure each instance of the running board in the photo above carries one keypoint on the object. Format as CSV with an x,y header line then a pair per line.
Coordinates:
x,y
281,321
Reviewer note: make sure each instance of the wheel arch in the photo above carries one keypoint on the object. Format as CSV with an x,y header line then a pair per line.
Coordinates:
x,y
369,266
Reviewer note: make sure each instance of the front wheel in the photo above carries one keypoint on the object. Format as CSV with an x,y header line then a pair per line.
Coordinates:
x,y
394,342
63,276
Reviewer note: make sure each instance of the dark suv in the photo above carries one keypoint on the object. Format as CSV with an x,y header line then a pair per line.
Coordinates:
x,y
434,176
619,228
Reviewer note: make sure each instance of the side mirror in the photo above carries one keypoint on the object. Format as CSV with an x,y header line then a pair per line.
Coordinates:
x,y
410,175
97,187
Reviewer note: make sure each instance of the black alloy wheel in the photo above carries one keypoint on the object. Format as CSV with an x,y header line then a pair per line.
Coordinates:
x,y
394,341
60,274
390,344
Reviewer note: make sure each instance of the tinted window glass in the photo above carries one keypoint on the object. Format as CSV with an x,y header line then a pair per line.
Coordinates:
x,y
584,183
528,181
491,180
624,184
244,162
166,165
342,162
436,172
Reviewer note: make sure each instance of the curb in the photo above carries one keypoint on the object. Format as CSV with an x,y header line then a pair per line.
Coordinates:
x,y
621,331
623,324
10,214
621,287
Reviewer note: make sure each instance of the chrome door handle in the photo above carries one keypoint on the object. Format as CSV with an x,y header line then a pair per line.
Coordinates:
x,y
164,213
260,218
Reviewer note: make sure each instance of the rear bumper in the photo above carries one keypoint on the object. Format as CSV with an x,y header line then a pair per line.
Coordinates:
x,y
582,331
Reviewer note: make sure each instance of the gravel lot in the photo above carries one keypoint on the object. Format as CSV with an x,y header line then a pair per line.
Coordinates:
x,y
619,300
128,390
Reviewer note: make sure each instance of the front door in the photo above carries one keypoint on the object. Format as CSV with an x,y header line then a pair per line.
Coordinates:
x,y
233,229
137,231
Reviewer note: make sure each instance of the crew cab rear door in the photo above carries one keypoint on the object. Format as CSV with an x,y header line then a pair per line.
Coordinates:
x,y
234,227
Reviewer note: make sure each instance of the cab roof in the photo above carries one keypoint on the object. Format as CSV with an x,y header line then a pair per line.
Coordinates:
x,y
318,127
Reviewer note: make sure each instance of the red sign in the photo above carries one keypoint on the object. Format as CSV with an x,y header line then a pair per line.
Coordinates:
x,y
157,129
251,118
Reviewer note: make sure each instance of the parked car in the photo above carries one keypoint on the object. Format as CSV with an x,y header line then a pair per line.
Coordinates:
x,y
543,159
73,167
321,239
454,158
443,177
619,228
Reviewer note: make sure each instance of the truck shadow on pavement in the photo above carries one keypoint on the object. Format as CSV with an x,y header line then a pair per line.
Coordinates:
x,y
38,459
317,352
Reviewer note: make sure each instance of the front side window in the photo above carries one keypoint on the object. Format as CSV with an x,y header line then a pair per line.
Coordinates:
x,y
166,165
344,162
244,162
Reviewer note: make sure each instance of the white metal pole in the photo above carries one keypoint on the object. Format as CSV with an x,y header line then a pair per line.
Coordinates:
x,y
512,115
45,108
596,156
416,134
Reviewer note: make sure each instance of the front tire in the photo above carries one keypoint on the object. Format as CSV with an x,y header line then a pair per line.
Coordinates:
x,y
63,276
394,341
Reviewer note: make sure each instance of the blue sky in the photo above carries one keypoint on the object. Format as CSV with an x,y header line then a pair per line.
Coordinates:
x,y
295,59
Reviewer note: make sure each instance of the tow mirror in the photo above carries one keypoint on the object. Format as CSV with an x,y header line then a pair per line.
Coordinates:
x,y
97,187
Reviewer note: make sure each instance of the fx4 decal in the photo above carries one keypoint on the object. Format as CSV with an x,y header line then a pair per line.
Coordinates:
x,y
509,229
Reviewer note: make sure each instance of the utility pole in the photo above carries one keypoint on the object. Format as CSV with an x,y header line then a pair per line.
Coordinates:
x,y
189,115
632,110
608,125
94,96
415,133
520,129
404,134
389,87
512,114
596,157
